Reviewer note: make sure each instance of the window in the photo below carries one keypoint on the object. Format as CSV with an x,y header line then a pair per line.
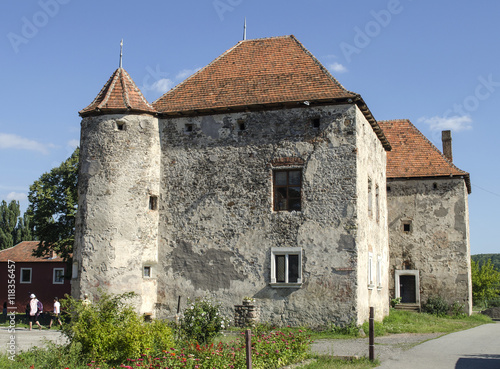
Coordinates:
x,y
25,275
74,271
241,125
377,205
188,127
315,122
153,202
146,271
58,276
407,226
287,189
286,266
379,271
370,271
369,197
120,126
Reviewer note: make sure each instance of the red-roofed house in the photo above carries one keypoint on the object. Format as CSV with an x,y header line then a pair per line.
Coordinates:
x,y
427,199
42,276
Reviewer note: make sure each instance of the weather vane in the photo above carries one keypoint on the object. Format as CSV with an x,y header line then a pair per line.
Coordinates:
x,y
121,52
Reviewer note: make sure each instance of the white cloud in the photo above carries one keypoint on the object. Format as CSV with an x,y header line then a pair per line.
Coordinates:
x,y
19,196
337,68
183,74
10,141
455,123
162,85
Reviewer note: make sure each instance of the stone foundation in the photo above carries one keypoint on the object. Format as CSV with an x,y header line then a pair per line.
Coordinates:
x,y
245,315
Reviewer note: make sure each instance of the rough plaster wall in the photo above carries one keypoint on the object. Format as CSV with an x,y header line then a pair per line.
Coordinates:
x,y
438,244
217,225
372,229
116,233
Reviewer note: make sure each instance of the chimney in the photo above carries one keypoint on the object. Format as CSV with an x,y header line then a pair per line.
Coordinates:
x,y
446,138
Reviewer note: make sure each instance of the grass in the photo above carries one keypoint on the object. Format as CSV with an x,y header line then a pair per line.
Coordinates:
x,y
328,362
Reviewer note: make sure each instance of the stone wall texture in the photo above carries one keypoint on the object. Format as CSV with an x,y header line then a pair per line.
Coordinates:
x,y
437,244
215,228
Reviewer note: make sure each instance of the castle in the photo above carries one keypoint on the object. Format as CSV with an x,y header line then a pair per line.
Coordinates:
x,y
262,176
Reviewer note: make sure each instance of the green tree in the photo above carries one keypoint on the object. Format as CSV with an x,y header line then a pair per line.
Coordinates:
x,y
485,282
53,204
8,222
13,228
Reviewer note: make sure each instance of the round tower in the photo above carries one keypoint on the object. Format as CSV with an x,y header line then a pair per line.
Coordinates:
x,y
116,235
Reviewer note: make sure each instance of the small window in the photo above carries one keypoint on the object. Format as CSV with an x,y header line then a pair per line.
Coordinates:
x,y
74,271
286,266
435,186
370,271
388,188
407,226
287,190
315,122
241,125
153,202
377,204
146,271
370,210
120,126
25,275
58,276
379,272
188,127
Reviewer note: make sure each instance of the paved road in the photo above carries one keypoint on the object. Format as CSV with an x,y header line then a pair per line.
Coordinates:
x,y
23,339
476,348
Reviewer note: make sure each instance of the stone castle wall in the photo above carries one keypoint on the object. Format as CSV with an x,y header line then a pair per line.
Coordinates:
x,y
437,242
116,232
217,224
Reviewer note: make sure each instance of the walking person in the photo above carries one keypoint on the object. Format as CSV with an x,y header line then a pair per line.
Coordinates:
x,y
57,313
34,311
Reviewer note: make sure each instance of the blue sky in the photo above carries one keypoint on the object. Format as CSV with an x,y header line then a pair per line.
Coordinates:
x,y
436,63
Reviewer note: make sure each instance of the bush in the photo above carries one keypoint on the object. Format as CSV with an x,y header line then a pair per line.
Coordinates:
x,y
436,305
201,321
110,330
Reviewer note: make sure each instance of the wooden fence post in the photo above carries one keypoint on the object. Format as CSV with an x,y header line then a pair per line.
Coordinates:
x,y
248,340
372,335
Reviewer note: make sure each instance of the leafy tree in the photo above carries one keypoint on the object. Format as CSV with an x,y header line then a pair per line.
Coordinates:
x,y
483,259
53,204
13,229
485,282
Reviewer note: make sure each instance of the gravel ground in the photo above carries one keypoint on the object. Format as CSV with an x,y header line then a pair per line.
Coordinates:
x,y
386,347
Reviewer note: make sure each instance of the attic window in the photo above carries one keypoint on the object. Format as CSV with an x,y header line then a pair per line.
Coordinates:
x,y
153,202
315,122
188,127
407,226
120,126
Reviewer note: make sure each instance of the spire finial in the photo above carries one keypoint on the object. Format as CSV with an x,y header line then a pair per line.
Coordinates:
x,y
121,52
245,29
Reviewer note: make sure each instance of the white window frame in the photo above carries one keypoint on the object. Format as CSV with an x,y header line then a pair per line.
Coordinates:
x,y
74,270
371,285
379,272
21,276
285,251
54,275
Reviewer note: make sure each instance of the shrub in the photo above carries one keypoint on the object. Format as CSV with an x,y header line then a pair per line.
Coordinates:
x,y
351,329
110,330
436,305
202,321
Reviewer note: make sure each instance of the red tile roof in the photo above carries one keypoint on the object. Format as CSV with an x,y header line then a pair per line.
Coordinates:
x,y
275,71
414,156
119,95
22,252
259,71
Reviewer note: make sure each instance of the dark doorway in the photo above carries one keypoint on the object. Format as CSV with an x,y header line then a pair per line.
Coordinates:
x,y
407,289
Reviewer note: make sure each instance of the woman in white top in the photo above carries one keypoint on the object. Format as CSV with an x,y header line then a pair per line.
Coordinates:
x,y
57,312
34,311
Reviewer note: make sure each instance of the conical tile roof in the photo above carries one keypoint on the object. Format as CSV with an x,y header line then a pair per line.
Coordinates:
x,y
119,95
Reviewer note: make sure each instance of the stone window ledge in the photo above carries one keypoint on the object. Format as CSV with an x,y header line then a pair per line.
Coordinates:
x,y
285,285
